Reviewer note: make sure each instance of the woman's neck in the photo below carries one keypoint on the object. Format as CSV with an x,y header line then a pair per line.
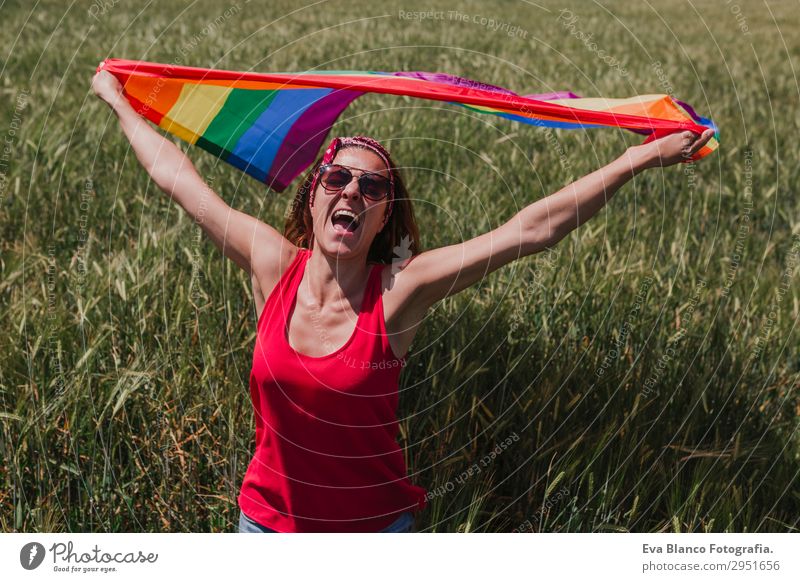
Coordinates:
x,y
328,279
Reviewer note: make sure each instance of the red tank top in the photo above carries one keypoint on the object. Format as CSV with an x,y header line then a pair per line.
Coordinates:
x,y
326,458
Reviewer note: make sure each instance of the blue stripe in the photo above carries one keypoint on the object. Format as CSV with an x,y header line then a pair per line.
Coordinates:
x,y
258,146
547,122
247,168
533,121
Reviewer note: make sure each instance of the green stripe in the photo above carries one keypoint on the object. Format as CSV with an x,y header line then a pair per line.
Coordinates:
x,y
212,148
241,110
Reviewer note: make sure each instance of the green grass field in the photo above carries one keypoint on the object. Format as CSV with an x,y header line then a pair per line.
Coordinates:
x,y
644,373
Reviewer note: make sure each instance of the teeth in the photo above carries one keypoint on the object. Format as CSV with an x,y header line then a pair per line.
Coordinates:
x,y
346,213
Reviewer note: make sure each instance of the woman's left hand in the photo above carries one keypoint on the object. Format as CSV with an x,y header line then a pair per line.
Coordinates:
x,y
672,148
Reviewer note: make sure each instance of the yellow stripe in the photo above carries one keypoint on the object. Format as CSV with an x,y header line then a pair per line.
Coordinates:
x,y
194,110
602,104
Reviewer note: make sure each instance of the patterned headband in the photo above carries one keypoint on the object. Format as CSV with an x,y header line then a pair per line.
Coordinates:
x,y
337,144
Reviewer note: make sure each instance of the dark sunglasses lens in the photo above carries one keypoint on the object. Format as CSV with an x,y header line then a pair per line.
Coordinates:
x,y
374,186
336,177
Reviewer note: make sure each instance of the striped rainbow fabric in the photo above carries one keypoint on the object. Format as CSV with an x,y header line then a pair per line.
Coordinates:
x,y
272,125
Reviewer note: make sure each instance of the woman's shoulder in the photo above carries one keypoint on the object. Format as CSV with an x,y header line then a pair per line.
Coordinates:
x,y
267,274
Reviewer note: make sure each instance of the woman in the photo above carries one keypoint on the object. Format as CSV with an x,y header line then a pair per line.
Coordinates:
x,y
336,315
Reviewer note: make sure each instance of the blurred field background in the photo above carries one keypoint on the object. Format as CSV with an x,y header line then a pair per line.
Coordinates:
x,y
649,365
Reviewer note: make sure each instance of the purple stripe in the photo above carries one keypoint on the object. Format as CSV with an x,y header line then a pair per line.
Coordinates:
x,y
697,118
304,139
451,80
552,96
689,109
470,84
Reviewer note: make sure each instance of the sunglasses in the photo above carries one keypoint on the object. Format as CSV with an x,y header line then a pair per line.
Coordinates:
x,y
335,177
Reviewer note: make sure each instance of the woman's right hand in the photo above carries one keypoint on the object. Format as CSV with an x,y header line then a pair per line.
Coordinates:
x,y
107,87
673,148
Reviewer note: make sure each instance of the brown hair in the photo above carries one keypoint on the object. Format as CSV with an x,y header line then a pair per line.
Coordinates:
x,y
299,229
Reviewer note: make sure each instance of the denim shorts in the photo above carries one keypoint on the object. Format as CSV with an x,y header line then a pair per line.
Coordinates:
x,y
403,524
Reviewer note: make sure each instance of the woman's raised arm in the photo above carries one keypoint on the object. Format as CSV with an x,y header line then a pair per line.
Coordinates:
x,y
247,241
439,273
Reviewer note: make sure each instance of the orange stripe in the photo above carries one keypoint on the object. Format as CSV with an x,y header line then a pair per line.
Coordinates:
x,y
158,94
663,108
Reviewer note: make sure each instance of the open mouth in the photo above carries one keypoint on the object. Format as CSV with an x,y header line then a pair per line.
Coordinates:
x,y
345,221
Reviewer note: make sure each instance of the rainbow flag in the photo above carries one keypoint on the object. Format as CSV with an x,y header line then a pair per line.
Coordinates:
x,y
272,125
